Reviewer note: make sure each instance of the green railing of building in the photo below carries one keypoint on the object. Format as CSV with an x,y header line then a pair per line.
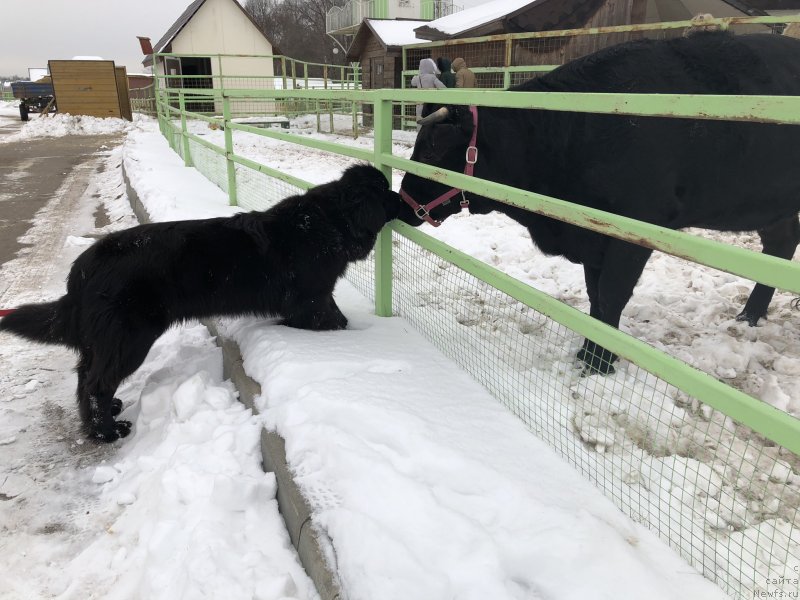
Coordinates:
x,y
777,426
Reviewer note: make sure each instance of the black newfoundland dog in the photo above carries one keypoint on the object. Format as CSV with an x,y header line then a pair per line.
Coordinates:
x,y
129,287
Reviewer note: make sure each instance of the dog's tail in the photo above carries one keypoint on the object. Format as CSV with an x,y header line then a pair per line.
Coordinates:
x,y
46,323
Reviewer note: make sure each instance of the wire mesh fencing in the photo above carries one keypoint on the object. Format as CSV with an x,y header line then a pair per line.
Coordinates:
x,y
259,191
725,498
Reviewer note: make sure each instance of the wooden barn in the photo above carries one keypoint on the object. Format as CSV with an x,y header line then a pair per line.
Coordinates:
x,y
378,47
97,88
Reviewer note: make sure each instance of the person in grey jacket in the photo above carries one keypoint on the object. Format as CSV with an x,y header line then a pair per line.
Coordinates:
x,y
426,79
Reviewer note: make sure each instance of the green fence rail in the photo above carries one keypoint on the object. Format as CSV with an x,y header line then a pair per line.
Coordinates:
x,y
738,556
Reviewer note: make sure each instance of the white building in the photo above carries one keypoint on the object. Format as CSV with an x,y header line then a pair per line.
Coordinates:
x,y
207,30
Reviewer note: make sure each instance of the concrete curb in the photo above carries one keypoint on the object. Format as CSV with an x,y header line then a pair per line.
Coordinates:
x,y
296,513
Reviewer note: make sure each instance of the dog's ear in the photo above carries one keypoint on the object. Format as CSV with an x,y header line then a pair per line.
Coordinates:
x,y
365,211
363,190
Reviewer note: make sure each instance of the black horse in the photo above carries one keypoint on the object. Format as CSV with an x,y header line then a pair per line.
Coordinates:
x,y
677,173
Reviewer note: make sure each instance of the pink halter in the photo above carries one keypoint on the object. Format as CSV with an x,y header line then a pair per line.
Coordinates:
x,y
423,211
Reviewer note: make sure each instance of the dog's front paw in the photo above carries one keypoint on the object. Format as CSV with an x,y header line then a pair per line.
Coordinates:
x,y
317,319
123,428
120,430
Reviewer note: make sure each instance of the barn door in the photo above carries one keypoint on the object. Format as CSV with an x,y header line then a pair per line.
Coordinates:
x,y
172,67
377,73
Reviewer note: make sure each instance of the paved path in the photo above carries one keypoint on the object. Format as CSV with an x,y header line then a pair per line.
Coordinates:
x,y
32,172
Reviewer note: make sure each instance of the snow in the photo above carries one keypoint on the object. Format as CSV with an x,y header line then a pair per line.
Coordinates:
x,y
63,124
426,485
396,33
476,16
8,109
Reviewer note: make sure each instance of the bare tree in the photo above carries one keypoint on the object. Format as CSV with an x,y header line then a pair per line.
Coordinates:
x,y
297,27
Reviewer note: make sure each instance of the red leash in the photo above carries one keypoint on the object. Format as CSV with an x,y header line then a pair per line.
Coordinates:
x,y
6,311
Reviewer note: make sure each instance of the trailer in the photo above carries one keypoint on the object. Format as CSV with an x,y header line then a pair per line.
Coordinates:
x,y
33,97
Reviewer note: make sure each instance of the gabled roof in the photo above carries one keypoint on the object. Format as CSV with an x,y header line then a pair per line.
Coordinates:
x,y
178,25
463,23
185,17
392,34
511,16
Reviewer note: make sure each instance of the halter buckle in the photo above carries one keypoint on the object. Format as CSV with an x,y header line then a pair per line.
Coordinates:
x,y
472,155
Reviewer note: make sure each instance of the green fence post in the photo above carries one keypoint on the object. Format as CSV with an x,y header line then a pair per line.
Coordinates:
x,y
187,159
383,248
354,108
226,116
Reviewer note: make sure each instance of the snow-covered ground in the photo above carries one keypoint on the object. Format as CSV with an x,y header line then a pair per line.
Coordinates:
x,y
715,489
61,124
426,485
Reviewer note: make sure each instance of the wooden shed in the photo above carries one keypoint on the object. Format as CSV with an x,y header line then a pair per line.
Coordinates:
x,y
378,46
97,88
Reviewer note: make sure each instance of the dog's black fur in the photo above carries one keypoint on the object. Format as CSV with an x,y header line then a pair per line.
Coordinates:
x,y
129,287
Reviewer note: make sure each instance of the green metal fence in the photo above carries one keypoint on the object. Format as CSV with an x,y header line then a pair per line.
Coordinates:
x,y
261,72
709,468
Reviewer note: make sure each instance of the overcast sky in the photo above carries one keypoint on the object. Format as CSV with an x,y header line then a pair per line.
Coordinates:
x,y
31,32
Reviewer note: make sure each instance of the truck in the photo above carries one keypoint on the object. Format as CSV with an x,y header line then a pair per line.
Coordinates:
x,y
33,97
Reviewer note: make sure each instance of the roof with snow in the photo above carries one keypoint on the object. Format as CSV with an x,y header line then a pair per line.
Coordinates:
x,y
511,16
390,33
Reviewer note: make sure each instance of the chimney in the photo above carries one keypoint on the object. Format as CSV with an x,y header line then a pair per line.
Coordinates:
x,y
147,47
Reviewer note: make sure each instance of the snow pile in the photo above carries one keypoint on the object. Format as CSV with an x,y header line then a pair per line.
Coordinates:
x,y
9,109
61,124
195,513
162,178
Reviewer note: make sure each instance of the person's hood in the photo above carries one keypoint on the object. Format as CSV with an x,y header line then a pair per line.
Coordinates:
x,y
428,67
444,64
459,63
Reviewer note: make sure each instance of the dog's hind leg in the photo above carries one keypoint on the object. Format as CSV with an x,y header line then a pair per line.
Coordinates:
x,y
109,367
318,314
